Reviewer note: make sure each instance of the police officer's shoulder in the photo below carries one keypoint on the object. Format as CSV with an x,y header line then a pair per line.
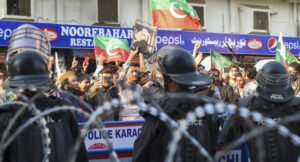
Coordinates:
x,y
295,101
9,108
179,106
56,101
247,101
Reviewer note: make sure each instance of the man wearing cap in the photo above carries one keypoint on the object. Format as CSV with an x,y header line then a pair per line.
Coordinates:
x,y
179,72
275,100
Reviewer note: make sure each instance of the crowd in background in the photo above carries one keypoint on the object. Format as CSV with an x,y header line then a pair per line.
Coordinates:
x,y
110,81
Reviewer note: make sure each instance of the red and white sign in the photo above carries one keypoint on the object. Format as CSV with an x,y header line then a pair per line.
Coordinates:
x,y
51,34
255,43
121,134
272,43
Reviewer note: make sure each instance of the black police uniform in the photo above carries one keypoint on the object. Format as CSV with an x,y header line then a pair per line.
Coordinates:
x,y
275,101
27,147
274,147
28,70
151,146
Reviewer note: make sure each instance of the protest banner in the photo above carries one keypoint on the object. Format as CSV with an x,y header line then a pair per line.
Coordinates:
x,y
144,38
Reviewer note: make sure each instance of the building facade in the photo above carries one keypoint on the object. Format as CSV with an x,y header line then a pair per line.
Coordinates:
x,y
268,17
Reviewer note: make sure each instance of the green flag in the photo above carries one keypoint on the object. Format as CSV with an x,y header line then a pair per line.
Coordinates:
x,y
283,54
218,61
290,57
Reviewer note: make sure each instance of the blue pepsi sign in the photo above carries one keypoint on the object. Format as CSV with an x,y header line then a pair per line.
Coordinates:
x,y
81,37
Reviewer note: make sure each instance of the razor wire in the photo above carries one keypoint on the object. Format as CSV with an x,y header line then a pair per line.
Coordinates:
x,y
41,124
179,130
54,110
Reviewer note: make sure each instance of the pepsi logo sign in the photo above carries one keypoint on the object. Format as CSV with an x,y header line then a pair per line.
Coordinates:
x,y
272,43
51,34
97,146
255,43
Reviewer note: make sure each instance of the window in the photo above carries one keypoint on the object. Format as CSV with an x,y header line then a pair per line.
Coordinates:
x,y
261,20
108,11
200,9
254,19
19,7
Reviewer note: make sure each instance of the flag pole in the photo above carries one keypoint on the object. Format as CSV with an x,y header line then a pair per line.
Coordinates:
x,y
233,54
57,69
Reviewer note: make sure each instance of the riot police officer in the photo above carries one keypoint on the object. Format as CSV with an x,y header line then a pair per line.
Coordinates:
x,y
179,72
28,71
275,100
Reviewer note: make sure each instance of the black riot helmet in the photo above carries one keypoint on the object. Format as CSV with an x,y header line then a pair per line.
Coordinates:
x,y
179,65
274,82
27,69
28,37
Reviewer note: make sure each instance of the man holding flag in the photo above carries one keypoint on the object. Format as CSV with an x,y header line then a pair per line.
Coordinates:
x,y
109,49
284,56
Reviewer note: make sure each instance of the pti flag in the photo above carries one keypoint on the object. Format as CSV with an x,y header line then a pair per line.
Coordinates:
x,y
218,61
281,52
174,14
113,49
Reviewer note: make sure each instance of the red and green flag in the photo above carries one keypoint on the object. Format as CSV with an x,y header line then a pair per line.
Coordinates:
x,y
112,49
174,14
218,61
283,55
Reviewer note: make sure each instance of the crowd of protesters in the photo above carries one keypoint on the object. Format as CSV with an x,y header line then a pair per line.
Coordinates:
x,y
115,80
177,71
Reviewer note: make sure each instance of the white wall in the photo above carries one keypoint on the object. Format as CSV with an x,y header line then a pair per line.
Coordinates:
x,y
82,12
217,16
278,23
130,11
284,21
221,15
2,10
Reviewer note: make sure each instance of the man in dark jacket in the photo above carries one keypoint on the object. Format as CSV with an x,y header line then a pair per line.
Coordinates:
x,y
275,100
28,70
106,91
179,70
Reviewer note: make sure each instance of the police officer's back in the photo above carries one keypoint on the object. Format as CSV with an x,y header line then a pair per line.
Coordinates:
x,y
28,71
179,72
275,100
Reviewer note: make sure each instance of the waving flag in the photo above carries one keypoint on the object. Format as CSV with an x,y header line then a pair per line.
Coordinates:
x,y
290,57
113,49
174,14
218,61
281,54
